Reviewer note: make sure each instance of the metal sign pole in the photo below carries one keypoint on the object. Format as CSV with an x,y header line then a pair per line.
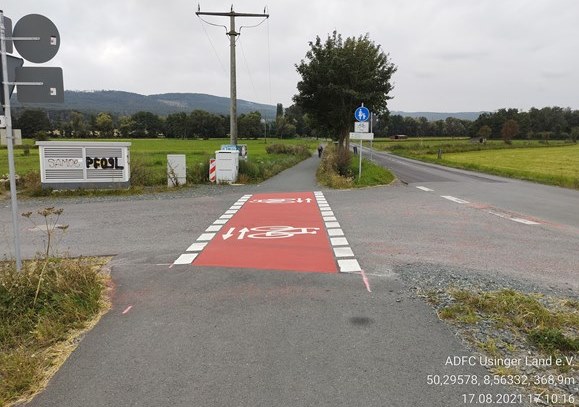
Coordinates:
x,y
10,143
360,164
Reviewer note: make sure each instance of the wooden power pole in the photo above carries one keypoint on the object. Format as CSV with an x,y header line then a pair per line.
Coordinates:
x,y
233,81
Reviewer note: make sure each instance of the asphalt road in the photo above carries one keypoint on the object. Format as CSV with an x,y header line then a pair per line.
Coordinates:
x,y
188,336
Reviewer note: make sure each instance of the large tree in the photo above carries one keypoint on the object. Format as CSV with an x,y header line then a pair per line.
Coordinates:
x,y
337,76
32,122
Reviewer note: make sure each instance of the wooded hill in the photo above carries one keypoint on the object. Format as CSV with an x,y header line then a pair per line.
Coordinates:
x,y
126,103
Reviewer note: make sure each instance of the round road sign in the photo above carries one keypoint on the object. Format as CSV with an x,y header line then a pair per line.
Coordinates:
x,y
37,51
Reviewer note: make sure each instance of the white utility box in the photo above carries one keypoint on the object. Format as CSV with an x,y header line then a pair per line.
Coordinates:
x,y
78,164
16,133
176,170
226,165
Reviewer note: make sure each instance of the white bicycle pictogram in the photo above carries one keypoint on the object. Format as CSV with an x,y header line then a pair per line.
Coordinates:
x,y
280,232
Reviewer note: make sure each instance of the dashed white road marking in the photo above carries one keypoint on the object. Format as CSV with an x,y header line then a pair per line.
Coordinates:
x,y
205,237
349,265
454,199
186,258
342,251
214,228
525,221
425,189
197,247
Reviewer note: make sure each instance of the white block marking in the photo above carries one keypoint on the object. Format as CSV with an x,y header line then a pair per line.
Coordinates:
x,y
453,199
231,212
332,225
339,241
329,218
186,258
335,232
425,189
214,228
226,216
343,252
235,207
196,247
349,265
220,221
327,213
205,237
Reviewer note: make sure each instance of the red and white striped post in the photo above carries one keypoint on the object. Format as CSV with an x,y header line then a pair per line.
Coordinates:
x,y
212,170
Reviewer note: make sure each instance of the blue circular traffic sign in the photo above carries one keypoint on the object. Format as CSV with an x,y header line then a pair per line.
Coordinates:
x,y
362,114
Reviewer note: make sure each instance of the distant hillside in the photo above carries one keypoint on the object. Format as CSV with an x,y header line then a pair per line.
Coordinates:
x,y
434,116
126,103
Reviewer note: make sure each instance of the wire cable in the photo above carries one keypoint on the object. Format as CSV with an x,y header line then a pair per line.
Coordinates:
x,y
212,45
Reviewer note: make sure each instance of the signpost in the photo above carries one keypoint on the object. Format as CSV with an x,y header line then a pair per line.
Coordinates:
x,y
37,40
362,130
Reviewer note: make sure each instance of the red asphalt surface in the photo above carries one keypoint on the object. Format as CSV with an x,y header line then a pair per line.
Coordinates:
x,y
290,235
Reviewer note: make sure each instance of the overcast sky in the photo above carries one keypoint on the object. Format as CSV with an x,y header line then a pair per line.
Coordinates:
x,y
452,55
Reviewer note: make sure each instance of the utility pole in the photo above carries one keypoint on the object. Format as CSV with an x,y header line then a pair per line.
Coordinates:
x,y
233,81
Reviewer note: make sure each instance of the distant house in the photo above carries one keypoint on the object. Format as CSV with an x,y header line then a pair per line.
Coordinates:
x,y
399,137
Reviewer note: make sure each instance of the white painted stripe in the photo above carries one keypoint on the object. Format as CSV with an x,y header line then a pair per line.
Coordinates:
x,y
335,232
214,228
235,207
324,206
453,199
332,225
519,220
343,252
205,237
525,221
327,213
500,215
425,189
246,196
226,216
339,241
329,218
231,212
186,258
318,192
221,221
349,265
196,247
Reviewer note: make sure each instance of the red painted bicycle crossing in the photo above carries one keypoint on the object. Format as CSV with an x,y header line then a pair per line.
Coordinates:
x,y
282,231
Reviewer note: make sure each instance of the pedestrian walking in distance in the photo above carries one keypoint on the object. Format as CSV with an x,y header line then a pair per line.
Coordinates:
x,y
320,150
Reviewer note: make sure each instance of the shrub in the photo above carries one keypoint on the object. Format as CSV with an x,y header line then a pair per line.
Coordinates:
x,y
290,149
198,173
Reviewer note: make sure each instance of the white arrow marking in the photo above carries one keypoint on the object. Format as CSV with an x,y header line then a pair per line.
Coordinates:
x,y
228,234
308,200
299,200
242,233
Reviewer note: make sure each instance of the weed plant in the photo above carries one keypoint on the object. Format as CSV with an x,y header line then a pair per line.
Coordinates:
x,y
40,306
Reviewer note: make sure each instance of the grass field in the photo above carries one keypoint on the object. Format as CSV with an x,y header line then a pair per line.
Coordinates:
x,y
149,157
555,163
554,166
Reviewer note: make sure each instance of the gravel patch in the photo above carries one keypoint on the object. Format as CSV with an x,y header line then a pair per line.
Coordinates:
x,y
435,283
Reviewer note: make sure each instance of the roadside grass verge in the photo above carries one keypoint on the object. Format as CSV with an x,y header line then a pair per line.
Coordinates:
x,y
149,163
340,171
44,308
524,327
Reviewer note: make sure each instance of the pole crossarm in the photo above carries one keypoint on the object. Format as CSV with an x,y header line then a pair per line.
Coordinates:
x,y
230,14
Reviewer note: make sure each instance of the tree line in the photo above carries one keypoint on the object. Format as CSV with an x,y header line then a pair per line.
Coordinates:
x,y
546,123
35,123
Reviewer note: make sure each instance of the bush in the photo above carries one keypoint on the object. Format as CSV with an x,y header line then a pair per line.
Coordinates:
x,y
290,149
198,173
328,174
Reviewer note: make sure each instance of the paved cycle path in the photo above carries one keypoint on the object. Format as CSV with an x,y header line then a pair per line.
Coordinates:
x,y
205,335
